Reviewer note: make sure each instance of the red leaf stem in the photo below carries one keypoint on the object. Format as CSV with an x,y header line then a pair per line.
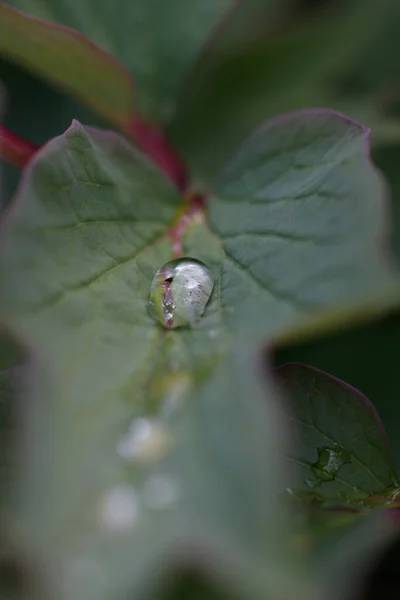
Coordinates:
x,y
154,143
15,149
194,208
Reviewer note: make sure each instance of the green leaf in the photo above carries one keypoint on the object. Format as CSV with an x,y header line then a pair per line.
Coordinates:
x,y
300,214
88,230
268,57
342,453
362,356
157,41
68,60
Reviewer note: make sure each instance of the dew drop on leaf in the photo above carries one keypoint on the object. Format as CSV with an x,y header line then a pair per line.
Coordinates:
x,y
179,292
330,460
146,440
120,508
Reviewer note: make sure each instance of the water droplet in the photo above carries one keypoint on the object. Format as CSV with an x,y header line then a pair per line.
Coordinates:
x,y
305,496
175,395
330,460
160,492
179,292
146,440
394,496
120,508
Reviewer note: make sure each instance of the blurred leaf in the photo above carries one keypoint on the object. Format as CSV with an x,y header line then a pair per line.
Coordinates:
x,y
67,59
344,548
341,451
267,59
157,41
377,68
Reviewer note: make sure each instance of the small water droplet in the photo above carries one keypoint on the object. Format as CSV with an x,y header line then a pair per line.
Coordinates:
x,y
146,440
120,508
175,395
160,492
313,483
330,460
305,496
394,496
179,292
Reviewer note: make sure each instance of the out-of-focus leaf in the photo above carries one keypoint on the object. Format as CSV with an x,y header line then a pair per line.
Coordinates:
x,y
68,60
341,449
157,41
377,69
267,59
344,548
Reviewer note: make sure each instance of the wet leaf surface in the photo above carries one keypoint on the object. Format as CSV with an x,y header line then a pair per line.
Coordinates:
x,y
341,451
140,442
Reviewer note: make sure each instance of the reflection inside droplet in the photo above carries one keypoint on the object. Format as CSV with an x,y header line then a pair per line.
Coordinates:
x,y
146,440
330,460
160,492
179,292
120,508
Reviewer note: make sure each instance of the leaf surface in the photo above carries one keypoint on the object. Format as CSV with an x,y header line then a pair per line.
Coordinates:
x,y
84,237
89,228
342,452
269,57
299,212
